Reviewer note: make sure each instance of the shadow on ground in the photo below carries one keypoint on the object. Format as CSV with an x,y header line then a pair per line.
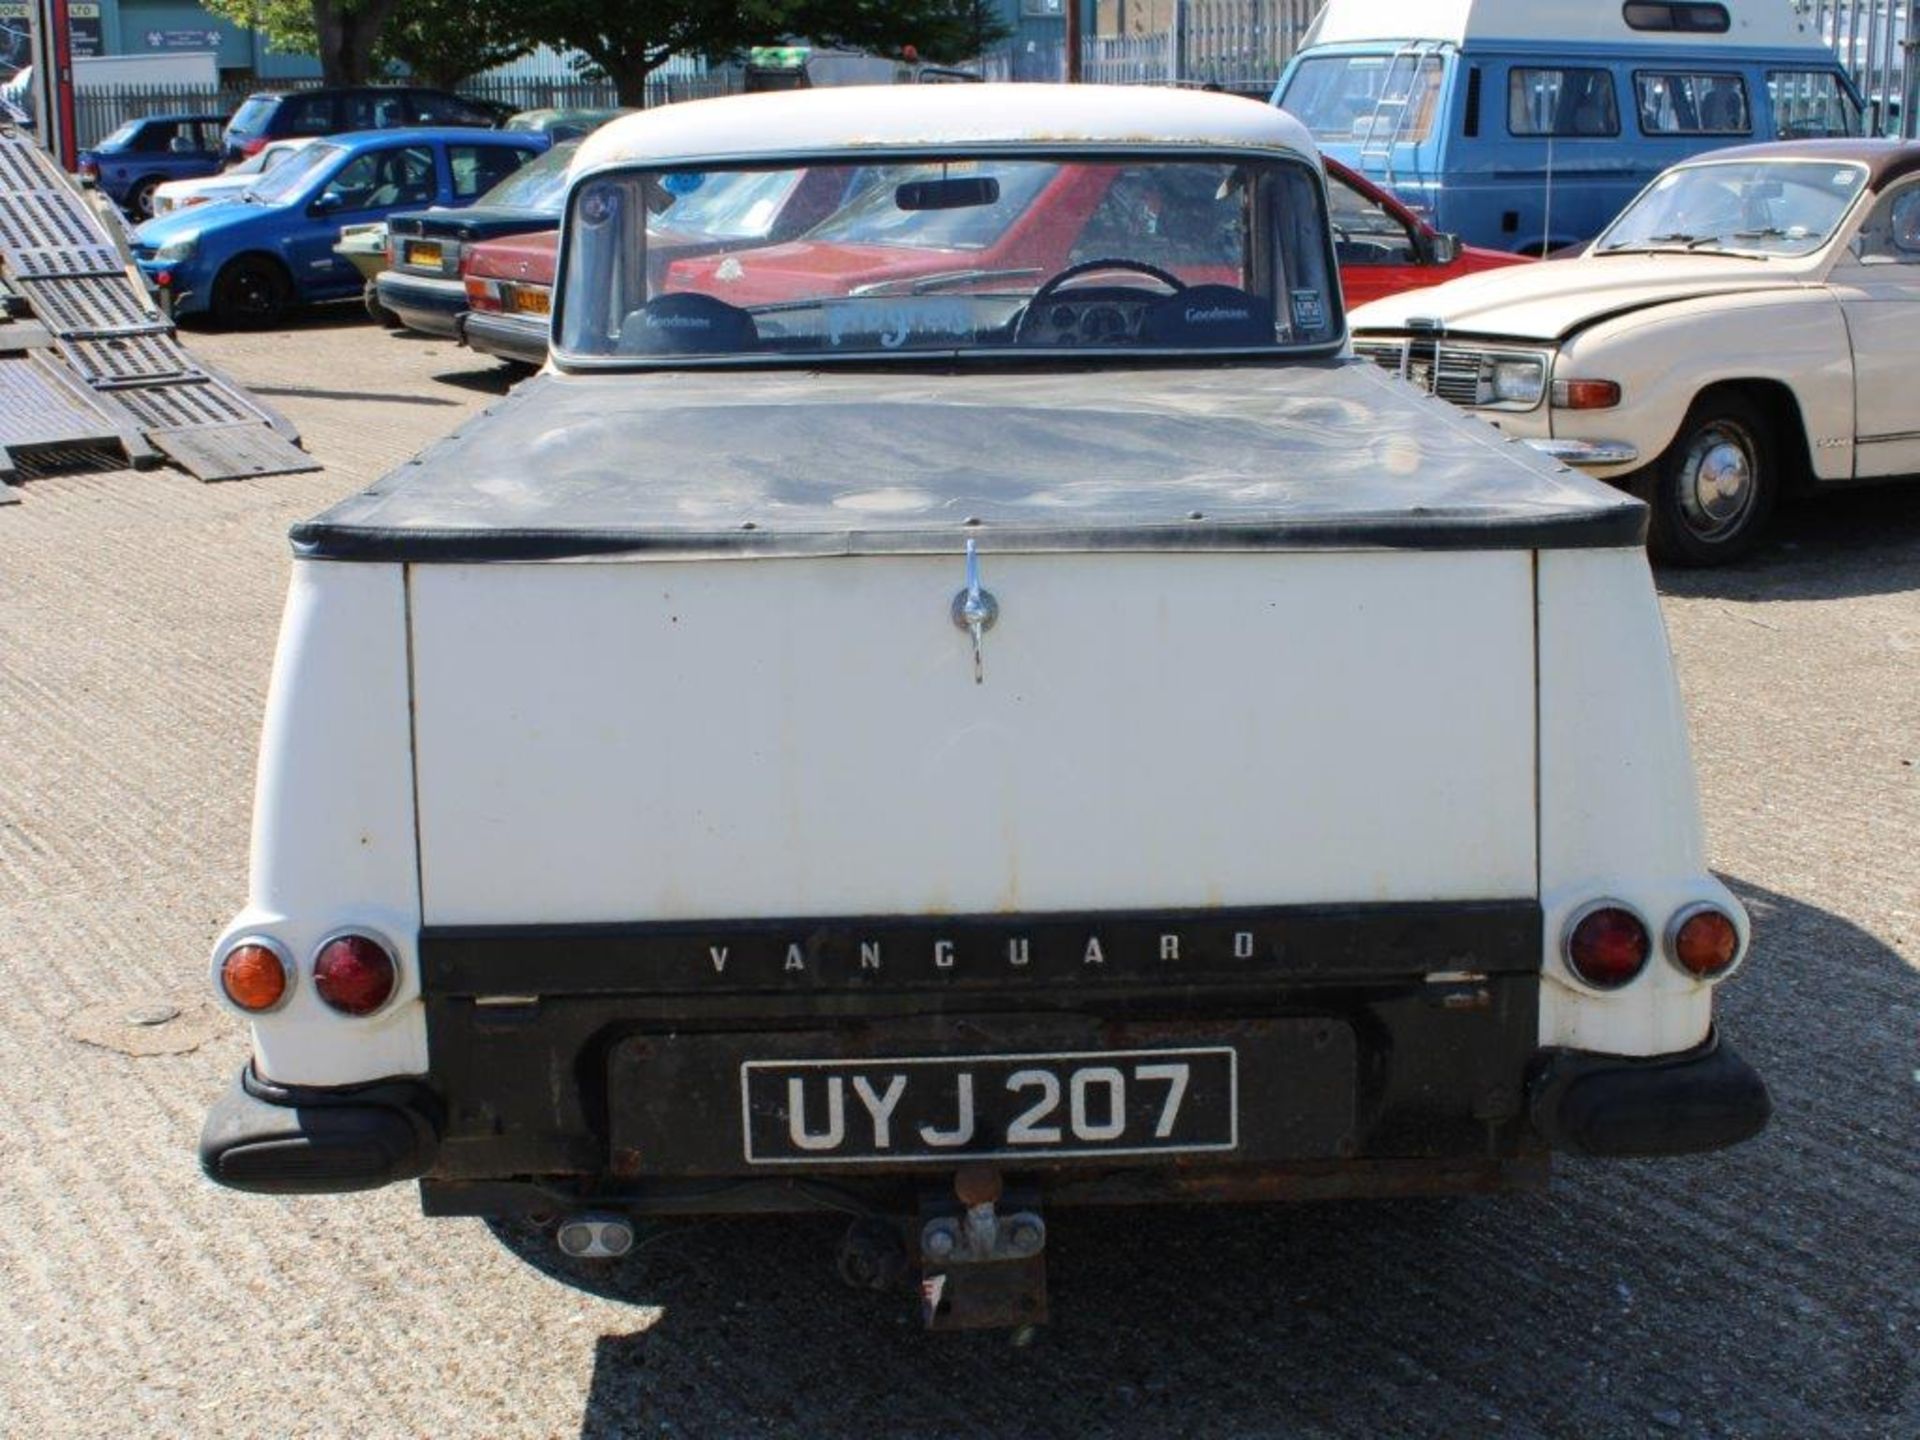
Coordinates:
x,y
1758,1291
1833,546
328,315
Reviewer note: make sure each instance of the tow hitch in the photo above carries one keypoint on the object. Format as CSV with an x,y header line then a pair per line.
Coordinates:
x,y
983,1262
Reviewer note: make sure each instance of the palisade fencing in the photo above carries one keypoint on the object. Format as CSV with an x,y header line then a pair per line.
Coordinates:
x,y
98,113
1244,44
1875,40
1239,45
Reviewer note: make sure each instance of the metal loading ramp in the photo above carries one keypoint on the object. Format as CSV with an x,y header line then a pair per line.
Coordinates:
x,y
88,362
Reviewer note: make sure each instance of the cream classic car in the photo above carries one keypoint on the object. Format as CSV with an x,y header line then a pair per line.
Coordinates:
x,y
969,746
1749,325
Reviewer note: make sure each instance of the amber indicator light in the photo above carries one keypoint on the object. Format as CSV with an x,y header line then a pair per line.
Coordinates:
x,y
1586,394
253,977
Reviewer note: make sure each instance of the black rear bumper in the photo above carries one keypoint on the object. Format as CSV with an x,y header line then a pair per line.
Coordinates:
x,y
271,1139
1701,1099
284,1140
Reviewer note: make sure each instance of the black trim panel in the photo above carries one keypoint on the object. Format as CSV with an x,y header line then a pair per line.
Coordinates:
x,y
1701,1099
272,1139
1007,955
1214,457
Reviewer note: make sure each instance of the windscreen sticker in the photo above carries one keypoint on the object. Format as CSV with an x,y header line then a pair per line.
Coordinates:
x,y
1308,311
892,324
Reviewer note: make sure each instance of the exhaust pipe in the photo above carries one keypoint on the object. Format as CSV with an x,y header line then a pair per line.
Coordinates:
x,y
594,1237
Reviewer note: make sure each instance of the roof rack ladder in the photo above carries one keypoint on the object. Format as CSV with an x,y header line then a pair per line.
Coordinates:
x,y
1371,147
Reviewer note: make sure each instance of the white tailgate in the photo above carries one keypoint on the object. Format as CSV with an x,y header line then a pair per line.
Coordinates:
x,y
633,740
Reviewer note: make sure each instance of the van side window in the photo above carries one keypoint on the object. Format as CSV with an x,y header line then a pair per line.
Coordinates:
x,y
1687,15
1561,102
1811,103
1686,104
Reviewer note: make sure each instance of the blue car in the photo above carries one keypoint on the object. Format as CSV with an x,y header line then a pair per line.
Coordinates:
x,y
245,261
133,162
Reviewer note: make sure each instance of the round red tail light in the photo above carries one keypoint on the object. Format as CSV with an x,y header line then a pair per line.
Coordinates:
x,y
1607,946
355,974
255,977
1705,942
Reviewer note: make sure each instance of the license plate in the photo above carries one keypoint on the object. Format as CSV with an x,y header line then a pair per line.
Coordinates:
x,y
527,301
423,255
989,1107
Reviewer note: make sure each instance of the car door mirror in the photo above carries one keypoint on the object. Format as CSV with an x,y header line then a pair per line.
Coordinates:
x,y
1446,249
329,201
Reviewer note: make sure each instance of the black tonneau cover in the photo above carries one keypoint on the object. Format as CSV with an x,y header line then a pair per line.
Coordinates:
x,y
718,463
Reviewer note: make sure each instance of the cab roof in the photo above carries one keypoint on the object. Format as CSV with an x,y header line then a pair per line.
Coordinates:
x,y
1756,24
903,117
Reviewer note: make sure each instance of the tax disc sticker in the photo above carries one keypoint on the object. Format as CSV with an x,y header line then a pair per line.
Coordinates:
x,y
1308,312
682,182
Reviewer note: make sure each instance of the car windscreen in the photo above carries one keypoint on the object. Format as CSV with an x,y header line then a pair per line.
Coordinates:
x,y
540,184
251,115
729,204
961,255
292,175
1766,207
1384,98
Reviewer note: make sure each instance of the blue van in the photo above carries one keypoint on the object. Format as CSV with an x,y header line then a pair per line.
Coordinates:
x,y
1526,125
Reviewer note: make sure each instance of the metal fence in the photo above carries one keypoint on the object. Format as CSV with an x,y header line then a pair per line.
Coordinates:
x,y
1237,45
98,113
1244,44
1234,44
1875,40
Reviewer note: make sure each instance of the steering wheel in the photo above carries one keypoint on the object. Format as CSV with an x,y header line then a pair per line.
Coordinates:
x,y
1053,284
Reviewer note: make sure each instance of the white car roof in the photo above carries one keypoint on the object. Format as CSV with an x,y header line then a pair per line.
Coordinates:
x,y
861,117
1769,23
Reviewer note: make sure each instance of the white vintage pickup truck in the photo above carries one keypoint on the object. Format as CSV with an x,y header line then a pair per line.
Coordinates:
x,y
1002,714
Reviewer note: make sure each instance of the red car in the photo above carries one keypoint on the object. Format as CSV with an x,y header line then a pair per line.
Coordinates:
x,y
510,296
1383,248
1048,217
509,282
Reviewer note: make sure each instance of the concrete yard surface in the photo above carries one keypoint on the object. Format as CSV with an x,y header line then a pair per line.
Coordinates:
x,y
1770,1290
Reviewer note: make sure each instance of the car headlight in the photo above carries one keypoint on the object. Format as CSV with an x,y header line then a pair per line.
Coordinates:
x,y
174,251
1519,382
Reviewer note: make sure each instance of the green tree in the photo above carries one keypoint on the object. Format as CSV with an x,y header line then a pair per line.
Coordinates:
x,y
627,40
342,33
443,43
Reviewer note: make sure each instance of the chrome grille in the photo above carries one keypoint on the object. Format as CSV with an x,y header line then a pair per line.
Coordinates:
x,y
1458,374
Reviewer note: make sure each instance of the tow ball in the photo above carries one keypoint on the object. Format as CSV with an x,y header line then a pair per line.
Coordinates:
x,y
982,1255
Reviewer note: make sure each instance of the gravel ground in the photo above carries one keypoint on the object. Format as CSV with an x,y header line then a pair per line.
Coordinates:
x,y
1770,1290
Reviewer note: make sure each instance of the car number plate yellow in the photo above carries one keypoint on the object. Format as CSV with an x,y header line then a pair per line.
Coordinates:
x,y
423,254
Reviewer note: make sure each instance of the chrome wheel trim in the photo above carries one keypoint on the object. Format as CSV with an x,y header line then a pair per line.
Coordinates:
x,y
1719,480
